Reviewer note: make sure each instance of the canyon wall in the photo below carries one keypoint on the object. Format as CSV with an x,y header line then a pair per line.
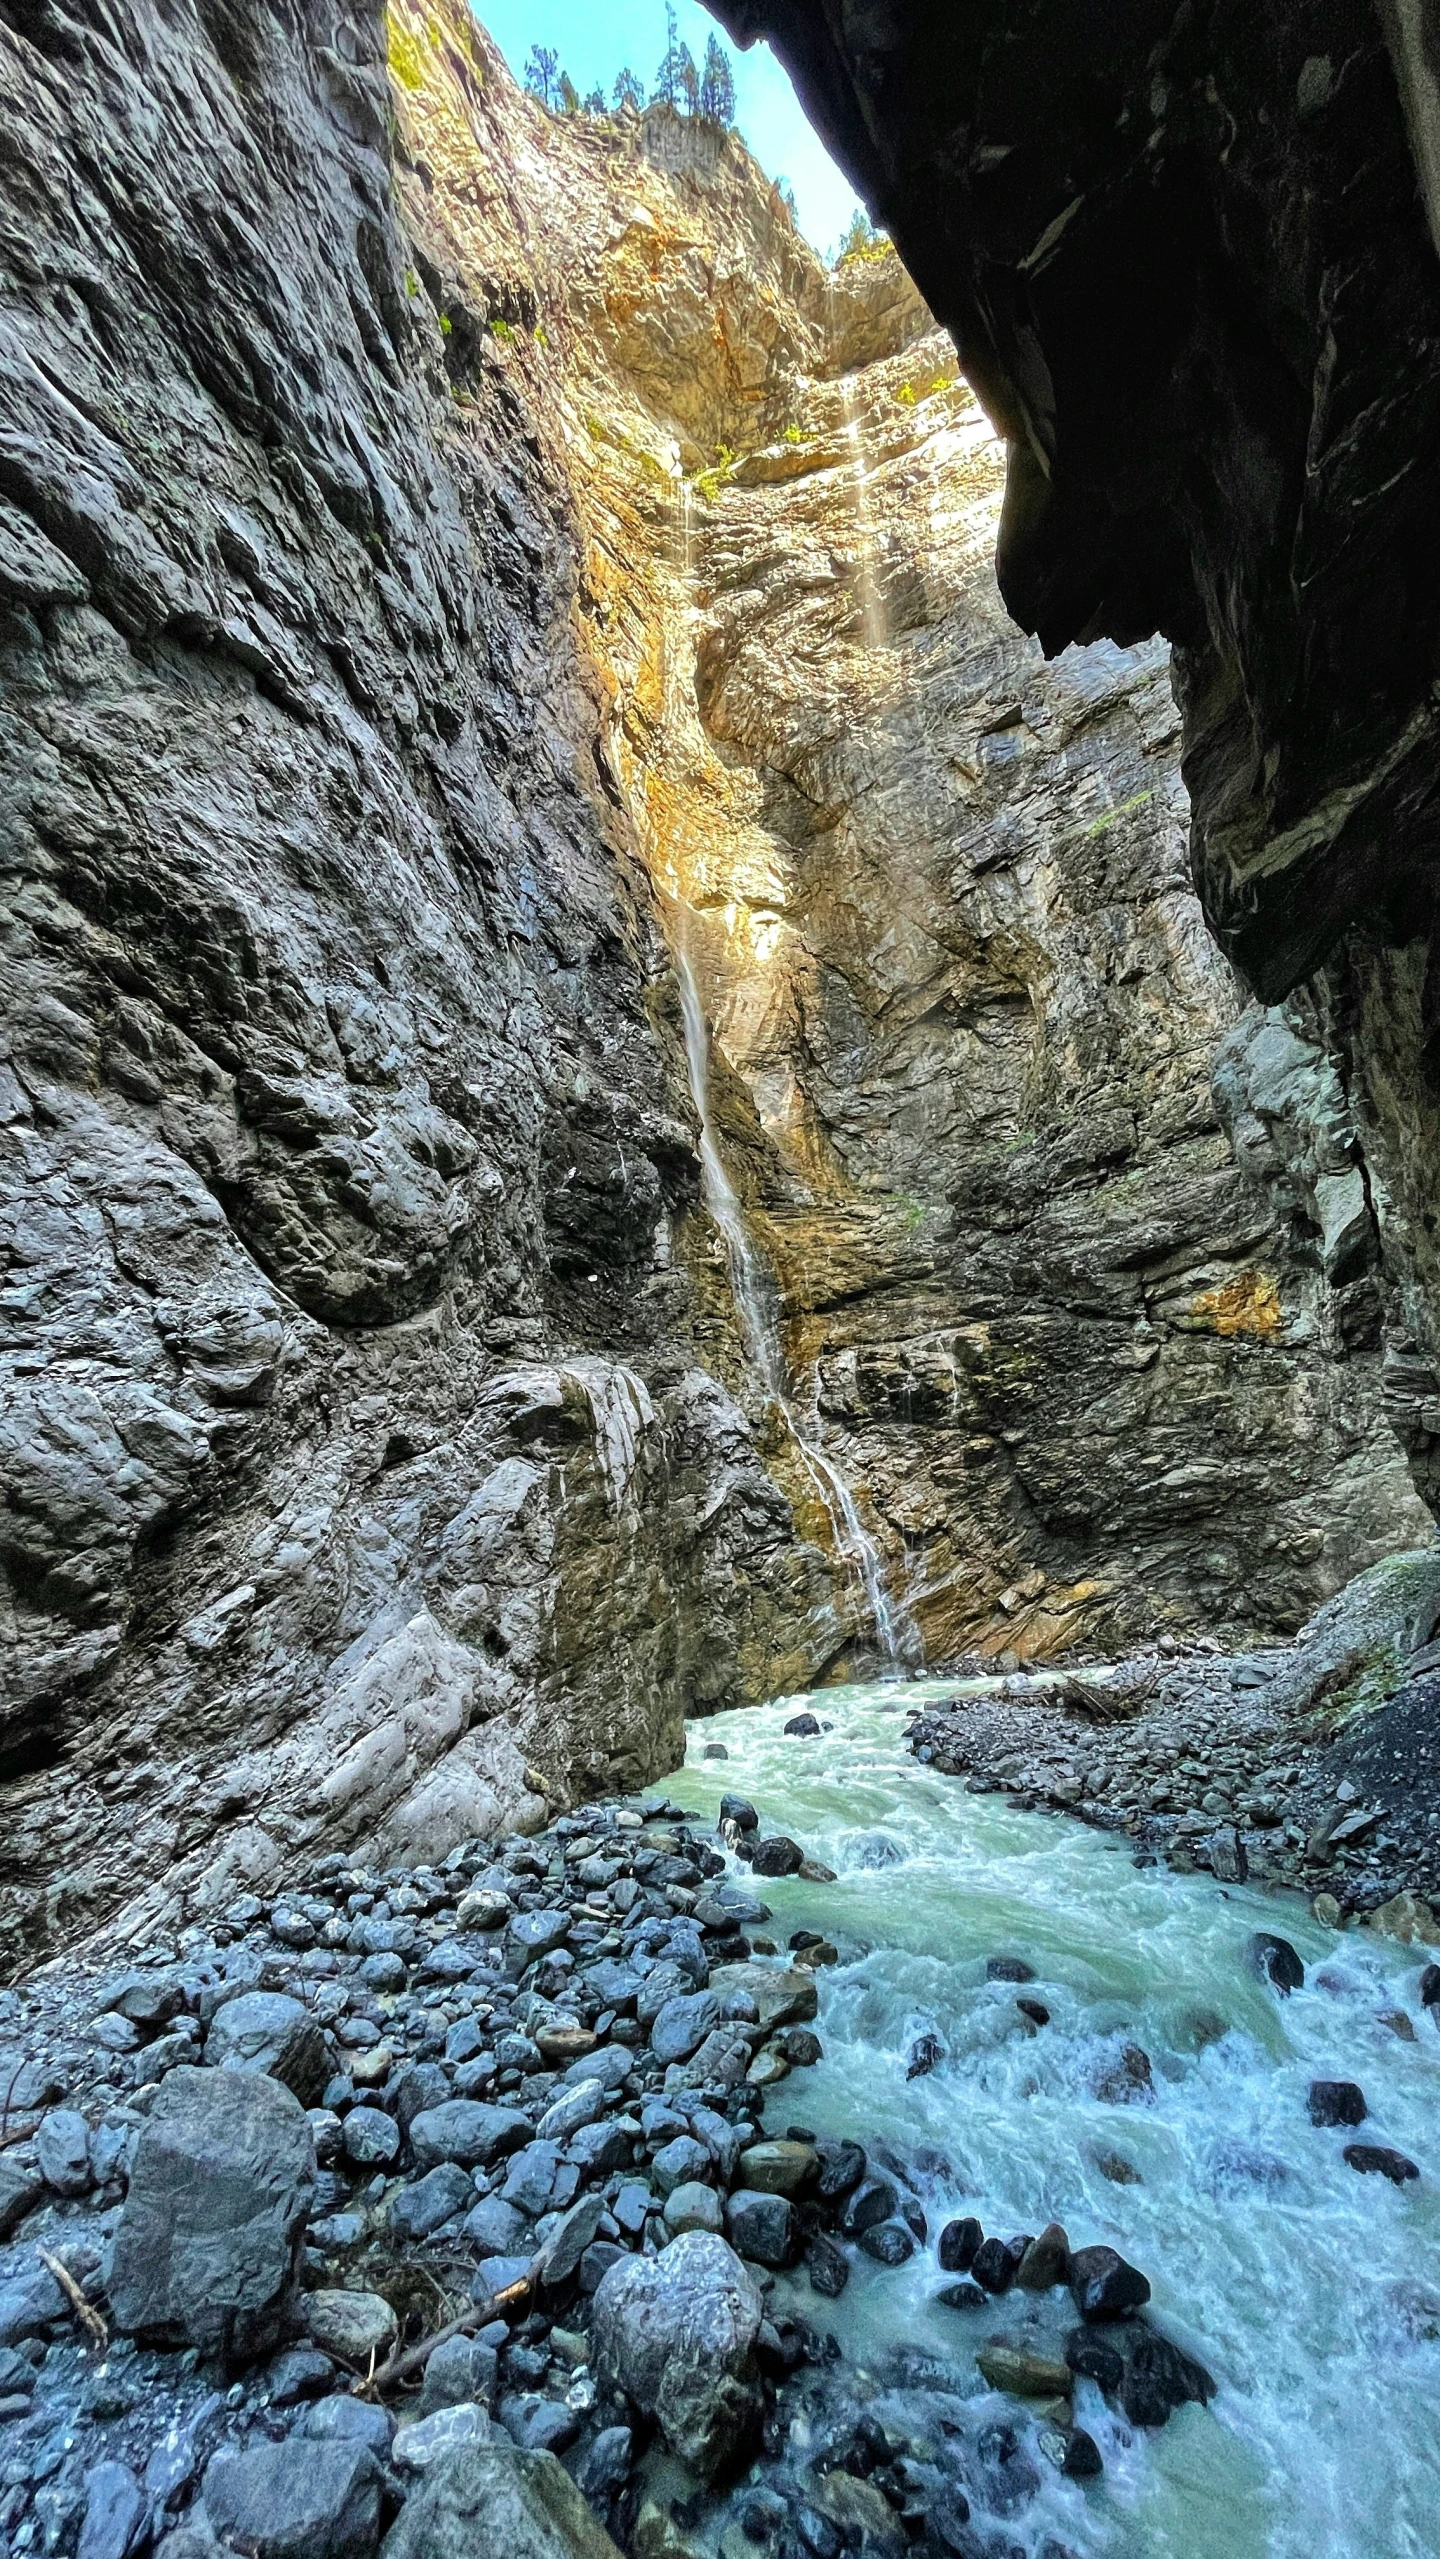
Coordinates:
x,y
1191,259
453,563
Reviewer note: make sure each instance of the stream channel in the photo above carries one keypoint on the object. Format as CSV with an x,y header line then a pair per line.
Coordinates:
x,y
1311,2292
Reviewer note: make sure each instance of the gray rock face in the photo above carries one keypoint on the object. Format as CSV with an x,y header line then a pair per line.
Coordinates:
x,y
492,2497
208,2241
266,2031
677,2332
296,2500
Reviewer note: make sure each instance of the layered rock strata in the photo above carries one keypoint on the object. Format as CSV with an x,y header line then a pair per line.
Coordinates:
x,y
1189,257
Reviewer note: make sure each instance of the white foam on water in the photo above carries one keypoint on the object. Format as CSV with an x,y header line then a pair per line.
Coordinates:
x,y
1312,2293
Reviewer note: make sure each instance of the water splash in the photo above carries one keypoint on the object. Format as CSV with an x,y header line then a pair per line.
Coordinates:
x,y
1309,2292
758,1307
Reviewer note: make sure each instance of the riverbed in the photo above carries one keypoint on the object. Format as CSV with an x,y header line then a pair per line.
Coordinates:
x,y
1310,2292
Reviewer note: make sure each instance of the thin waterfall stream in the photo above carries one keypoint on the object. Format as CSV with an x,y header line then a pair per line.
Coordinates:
x,y
757,1306
1306,2290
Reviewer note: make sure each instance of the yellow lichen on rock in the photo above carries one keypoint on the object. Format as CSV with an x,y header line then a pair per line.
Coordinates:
x,y
1249,1303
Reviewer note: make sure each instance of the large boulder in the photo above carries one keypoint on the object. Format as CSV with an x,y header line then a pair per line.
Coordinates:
x,y
208,2243
677,2332
299,2500
266,2031
784,1995
465,2131
489,2497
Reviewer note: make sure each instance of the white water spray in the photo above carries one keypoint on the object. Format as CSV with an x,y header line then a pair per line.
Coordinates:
x,y
867,583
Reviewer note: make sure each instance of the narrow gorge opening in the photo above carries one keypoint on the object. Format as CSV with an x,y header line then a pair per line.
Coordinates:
x,y
719,1617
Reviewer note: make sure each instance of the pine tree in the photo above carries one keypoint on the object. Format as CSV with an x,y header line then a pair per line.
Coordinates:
x,y
689,79
860,236
669,77
595,103
568,99
717,86
628,91
542,75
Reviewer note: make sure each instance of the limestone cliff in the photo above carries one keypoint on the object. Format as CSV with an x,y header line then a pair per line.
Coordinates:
x,y
396,680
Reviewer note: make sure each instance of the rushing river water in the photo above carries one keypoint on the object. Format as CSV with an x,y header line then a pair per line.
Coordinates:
x,y
1311,2293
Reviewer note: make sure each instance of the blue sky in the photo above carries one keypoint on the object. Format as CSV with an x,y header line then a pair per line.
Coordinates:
x,y
593,42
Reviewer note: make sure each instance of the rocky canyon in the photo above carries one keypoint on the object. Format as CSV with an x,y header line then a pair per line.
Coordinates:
x,y
475,583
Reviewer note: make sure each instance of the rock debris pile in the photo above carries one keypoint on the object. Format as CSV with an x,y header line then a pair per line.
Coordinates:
x,y
401,2197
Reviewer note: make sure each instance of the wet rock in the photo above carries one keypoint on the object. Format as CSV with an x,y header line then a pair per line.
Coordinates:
x,y
1093,2358
828,2268
714,1750
1374,2159
467,2132
1035,2010
1104,2285
1159,2379
1023,2372
351,2326
62,2151
739,1810
842,2165
1131,2077
799,2047
1007,2476
764,2228
783,1995
1430,1986
993,2266
1008,1968
297,2500
802,1727
1336,2101
957,2245
208,2241
948,2518
890,2243
678,2333
1273,1959
923,2056
1046,2261
1228,1861
779,2167
558,2258
777,1856
1082,2458
266,2031
116,2513
963,2296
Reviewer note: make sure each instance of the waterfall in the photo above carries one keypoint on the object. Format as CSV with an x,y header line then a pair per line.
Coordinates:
x,y
757,1304
867,584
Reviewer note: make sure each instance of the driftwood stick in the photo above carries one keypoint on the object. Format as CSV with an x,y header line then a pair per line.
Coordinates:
x,y
90,2320
404,2367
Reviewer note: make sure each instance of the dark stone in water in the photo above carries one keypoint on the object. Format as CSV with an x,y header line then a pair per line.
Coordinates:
x,y
948,2520
715,1750
963,2296
800,2046
912,2212
739,1809
888,2242
1104,2285
925,2052
814,2531
1373,2159
778,1856
1008,1968
1274,1959
1082,2456
958,2243
802,1726
1093,2358
842,2165
1159,2379
1009,2476
805,1937
1430,1986
993,2266
828,2268
1336,2101
873,2200
1033,2009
